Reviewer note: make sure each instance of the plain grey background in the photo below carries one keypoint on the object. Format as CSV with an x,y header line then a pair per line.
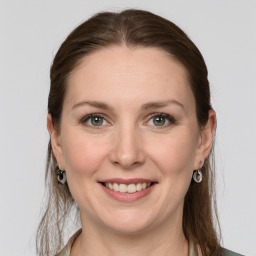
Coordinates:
x,y
30,34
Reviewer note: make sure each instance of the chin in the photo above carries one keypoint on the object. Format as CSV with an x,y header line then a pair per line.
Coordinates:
x,y
128,223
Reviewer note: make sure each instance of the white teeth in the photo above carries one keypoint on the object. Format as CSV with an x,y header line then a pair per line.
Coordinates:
x,y
131,188
138,187
123,188
115,187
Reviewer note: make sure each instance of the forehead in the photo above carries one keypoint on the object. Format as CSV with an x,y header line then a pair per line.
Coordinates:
x,y
122,59
140,73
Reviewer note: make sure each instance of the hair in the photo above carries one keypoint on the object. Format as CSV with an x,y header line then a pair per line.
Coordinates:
x,y
131,28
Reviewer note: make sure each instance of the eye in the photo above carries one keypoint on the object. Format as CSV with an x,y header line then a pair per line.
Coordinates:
x,y
161,120
95,120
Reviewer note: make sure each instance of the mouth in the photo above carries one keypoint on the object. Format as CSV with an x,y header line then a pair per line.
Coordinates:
x,y
127,190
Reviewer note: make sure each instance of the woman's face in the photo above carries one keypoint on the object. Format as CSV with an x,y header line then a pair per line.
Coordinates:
x,y
129,122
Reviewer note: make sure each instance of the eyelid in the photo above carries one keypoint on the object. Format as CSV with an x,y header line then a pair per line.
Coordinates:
x,y
171,120
84,119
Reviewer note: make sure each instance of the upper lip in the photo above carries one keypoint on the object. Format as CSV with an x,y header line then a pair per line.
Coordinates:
x,y
127,181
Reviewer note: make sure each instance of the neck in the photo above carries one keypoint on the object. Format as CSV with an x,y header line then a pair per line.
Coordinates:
x,y
104,242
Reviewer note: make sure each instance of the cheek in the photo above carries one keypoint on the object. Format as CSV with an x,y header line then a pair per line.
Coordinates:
x,y
175,153
82,154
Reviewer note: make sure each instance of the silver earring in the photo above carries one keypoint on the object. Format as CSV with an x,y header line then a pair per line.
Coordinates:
x,y
61,176
197,175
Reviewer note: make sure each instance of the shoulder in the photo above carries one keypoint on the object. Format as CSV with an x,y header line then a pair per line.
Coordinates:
x,y
226,252
63,254
66,250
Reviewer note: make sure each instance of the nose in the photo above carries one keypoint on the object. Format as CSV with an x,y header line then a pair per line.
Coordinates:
x,y
127,148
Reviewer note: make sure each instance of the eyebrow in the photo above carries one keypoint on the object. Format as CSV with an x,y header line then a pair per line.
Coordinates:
x,y
161,104
95,104
146,106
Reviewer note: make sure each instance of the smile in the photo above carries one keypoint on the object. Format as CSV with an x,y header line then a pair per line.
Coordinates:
x,y
127,188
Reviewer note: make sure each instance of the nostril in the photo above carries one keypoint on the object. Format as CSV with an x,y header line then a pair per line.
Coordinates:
x,y
127,163
126,152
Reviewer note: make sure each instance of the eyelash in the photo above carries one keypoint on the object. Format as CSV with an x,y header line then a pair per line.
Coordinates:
x,y
167,117
85,119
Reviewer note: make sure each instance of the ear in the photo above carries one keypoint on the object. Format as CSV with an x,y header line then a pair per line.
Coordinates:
x,y
55,141
206,139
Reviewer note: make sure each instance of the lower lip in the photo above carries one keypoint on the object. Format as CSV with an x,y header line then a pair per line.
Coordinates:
x,y
128,197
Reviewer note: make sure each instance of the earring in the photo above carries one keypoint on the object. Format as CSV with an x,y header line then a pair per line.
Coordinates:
x,y
61,176
197,175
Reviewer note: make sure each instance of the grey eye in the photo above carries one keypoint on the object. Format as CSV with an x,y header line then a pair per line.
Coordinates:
x,y
96,121
159,120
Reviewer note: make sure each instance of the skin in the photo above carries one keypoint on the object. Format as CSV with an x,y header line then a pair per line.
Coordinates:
x,y
129,144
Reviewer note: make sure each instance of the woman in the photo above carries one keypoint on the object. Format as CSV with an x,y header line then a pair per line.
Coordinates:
x,y
132,130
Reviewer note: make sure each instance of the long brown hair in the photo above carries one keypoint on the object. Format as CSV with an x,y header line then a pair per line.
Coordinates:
x,y
133,28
